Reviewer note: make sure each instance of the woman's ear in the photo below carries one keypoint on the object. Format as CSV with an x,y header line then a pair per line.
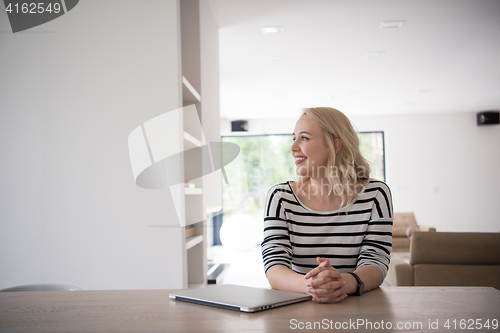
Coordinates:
x,y
338,145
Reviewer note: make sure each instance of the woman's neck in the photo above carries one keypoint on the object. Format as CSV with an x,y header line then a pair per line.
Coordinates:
x,y
312,195
317,193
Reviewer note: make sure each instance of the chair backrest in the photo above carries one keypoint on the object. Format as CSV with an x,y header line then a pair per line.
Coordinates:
x,y
43,287
455,259
455,248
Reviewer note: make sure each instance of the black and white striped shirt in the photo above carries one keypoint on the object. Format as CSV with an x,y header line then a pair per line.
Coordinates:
x,y
356,235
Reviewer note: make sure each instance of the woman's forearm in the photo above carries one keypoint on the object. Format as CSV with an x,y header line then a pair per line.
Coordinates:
x,y
370,275
283,278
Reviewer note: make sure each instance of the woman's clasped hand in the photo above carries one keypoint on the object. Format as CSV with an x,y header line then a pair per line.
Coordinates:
x,y
325,283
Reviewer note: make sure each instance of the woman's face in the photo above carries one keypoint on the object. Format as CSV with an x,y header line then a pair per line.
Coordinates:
x,y
309,148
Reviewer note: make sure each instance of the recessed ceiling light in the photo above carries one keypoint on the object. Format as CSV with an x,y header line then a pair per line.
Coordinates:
x,y
276,58
374,54
391,24
273,30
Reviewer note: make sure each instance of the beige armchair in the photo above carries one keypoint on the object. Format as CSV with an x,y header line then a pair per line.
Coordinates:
x,y
452,259
404,225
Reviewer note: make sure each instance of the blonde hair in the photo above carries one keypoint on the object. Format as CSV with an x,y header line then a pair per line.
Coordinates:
x,y
347,166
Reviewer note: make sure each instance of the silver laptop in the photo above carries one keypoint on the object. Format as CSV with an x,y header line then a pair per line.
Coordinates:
x,y
239,298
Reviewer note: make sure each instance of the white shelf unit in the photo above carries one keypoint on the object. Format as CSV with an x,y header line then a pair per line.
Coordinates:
x,y
190,141
189,93
191,250
195,263
193,241
193,191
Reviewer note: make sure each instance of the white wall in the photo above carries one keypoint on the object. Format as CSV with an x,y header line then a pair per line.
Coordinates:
x,y
442,166
71,91
209,40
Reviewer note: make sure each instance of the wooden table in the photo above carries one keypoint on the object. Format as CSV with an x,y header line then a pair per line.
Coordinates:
x,y
415,308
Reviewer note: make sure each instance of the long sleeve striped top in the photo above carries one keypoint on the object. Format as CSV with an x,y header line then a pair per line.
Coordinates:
x,y
351,237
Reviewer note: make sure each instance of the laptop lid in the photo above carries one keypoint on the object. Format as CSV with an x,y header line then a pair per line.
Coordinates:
x,y
239,298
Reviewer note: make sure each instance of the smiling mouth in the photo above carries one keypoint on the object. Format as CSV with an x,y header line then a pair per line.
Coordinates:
x,y
299,160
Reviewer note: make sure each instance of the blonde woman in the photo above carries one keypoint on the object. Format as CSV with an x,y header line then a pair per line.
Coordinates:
x,y
328,234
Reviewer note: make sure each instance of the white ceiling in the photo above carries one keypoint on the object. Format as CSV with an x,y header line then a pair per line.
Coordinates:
x,y
445,58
